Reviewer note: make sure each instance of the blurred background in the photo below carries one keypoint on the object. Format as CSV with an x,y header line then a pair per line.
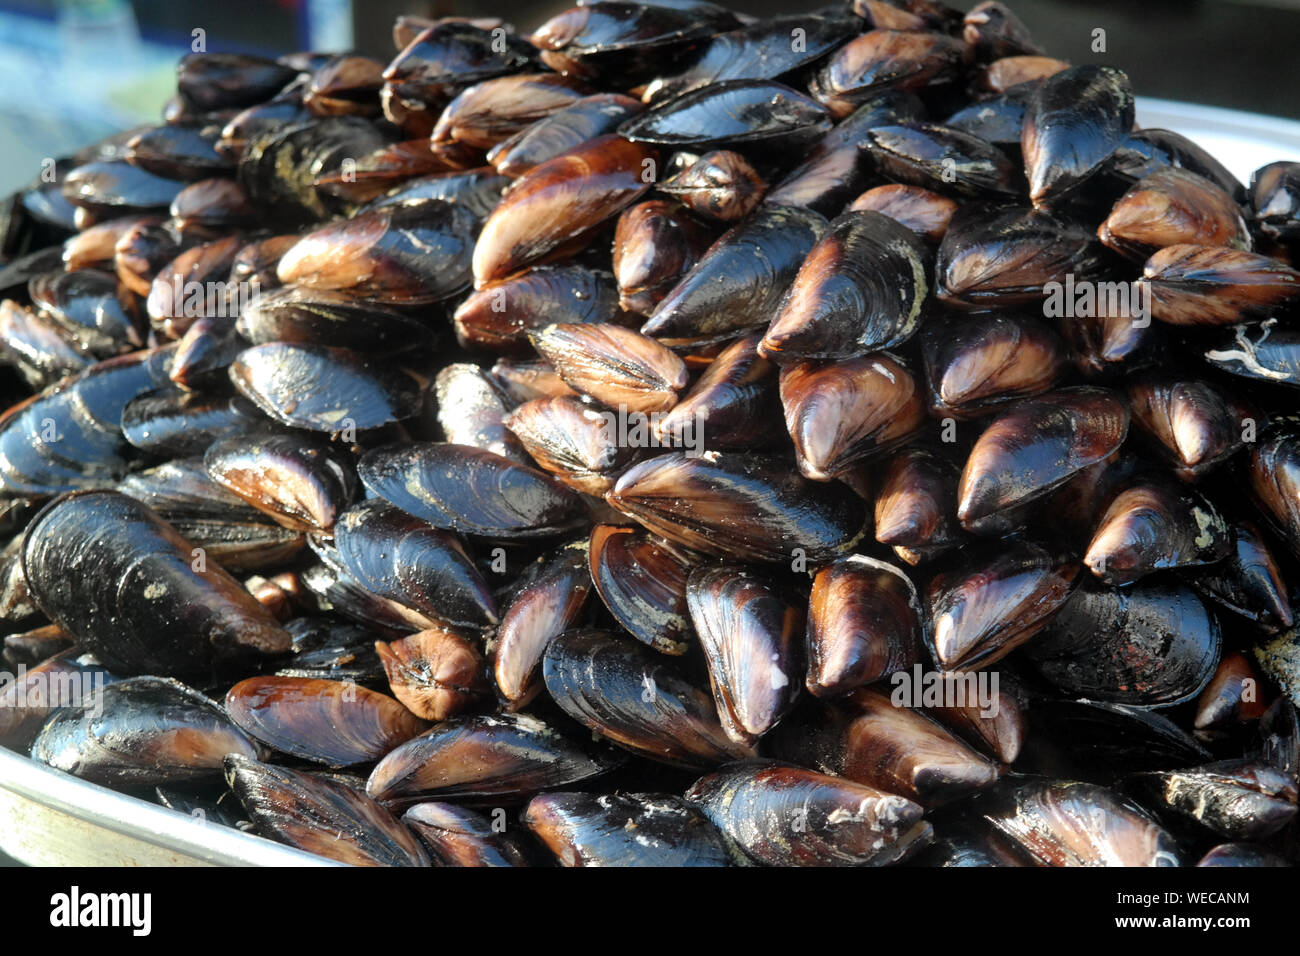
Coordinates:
x,y
74,71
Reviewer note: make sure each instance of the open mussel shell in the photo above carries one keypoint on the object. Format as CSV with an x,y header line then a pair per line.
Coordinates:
x,y
841,413
324,389
301,481
435,673
1155,525
307,316
780,815
990,605
500,315
976,363
1079,824
867,737
134,592
499,756
465,489
1238,799
864,623
642,581
560,201
1033,448
625,829
749,632
1197,423
1013,257
1154,644
1193,284
457,836
141,732
545,606
740,281
742,506
1076,120
401,254
321,814
1173,207
860,290
404,559
617,366
637,699
329,722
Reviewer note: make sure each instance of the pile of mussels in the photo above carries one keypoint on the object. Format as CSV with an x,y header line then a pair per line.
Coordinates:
x,y
394,461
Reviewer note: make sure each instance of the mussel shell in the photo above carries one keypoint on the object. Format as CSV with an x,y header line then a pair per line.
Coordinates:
x,y
1272,474
867,737
1154,644
1108,739
172,421
887,59
625,829
737,285
500,315
1197,423
637,699
864,623
1153,526
400,557
486,113
760,114
321,814
472,410
620,367
324,389
545,607
720,185
1239,799
1034,447
925,213
1241,854
984,609
91,308
434,673
560,201
117,188
301,481
1249,582
134,592
1080,824
330,722
502,756
1013,257
459,488
642,582
916,504
749,631
841,413
742,506
560,132
332,318
478,190
456,836
1212,285
944,159
1172,207
217,81
1275,200
1231,696
399,255
141,732
1260,352
781,815
571,440
860,290
975,364
655,243
1075,121
729,406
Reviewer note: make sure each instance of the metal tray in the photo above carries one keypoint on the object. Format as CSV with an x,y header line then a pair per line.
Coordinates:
x,y
50,818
